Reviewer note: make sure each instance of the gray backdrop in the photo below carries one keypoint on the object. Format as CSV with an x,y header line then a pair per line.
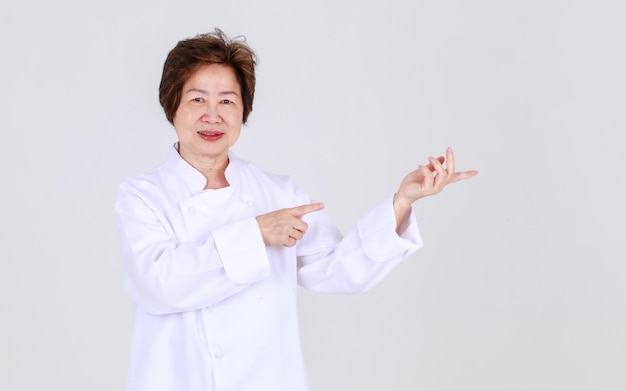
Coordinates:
x,y
521,283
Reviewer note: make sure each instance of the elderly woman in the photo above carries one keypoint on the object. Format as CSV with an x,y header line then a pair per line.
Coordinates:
x,y
214,248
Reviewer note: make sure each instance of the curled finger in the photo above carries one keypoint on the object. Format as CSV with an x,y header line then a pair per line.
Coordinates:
x,y
440,159
427,176
437,166
300,225
296,234
289,242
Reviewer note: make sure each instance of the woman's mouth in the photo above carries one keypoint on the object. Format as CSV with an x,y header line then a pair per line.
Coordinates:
x,y
210,135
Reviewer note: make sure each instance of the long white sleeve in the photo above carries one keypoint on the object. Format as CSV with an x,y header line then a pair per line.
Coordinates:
x,y
364,256
165,275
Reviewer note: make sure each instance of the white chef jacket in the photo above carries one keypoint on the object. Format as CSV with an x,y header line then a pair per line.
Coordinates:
x,y
214,308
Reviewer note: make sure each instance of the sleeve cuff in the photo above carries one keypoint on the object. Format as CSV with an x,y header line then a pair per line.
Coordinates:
x,y
377,231
242,251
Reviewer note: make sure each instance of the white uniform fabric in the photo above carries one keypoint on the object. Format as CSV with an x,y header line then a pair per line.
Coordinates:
x,y
214,308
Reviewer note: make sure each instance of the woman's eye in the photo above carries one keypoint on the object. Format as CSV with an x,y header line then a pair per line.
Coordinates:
x,y
226,101
199,100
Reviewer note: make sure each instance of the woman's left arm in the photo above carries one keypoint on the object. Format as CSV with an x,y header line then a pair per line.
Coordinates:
x,y
380,240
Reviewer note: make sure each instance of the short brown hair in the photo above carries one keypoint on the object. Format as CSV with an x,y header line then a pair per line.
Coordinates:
x,y
205,49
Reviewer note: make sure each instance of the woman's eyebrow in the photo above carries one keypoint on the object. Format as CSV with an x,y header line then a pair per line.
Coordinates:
x,y
205,92
228,93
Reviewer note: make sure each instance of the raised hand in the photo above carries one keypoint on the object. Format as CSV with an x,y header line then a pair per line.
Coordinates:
x,y
427,180
284,227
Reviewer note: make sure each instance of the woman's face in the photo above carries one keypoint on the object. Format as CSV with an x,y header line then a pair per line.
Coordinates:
x,y
209,118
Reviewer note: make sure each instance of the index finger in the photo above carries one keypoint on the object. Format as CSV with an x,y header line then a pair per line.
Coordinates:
x,y
307,208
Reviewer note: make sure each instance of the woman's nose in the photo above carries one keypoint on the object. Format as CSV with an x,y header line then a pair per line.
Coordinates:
x,y
211,114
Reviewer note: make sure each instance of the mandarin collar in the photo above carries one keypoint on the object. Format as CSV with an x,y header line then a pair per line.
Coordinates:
x,y
193,178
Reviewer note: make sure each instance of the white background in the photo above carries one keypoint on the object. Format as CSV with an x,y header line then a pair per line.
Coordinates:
x,y
521,284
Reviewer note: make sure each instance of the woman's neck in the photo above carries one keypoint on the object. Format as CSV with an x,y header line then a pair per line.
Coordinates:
x,y
213,169
215,173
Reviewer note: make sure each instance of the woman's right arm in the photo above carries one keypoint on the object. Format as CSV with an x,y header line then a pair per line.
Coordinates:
x,y
163,274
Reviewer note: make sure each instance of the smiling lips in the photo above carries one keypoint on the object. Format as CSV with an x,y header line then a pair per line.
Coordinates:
x,y
210,135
